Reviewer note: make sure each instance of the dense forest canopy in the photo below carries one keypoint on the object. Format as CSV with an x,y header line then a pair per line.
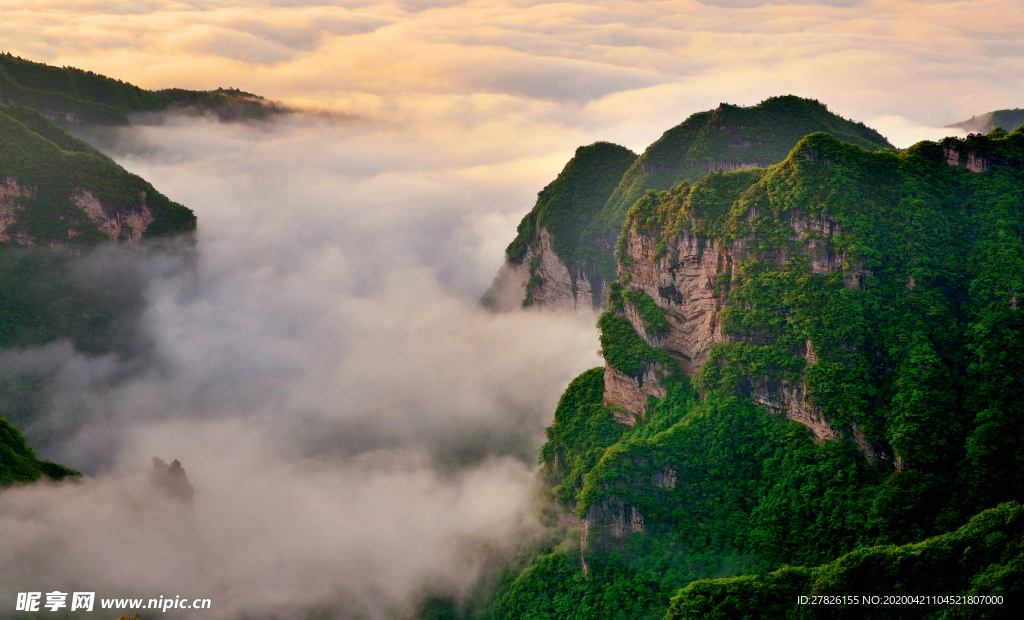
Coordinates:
x,y
72,97
915,351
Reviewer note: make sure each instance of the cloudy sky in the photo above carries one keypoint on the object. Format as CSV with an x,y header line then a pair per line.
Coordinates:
x,y
352,421
532,79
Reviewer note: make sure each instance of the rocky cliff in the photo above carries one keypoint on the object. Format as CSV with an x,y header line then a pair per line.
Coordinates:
x,y
686,275
549,264
58,192
542,279
580,214
803,361
684,252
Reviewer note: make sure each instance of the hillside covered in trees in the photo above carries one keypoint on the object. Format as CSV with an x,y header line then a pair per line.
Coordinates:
x,y
563,253
62,203
72,97
813,385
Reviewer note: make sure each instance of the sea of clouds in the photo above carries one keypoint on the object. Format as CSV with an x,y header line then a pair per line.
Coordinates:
x,y
358,429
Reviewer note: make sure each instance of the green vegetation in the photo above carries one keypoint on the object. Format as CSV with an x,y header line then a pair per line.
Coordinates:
x,y
918,342
74,97
569,203
729,135
624,349
983,558
1007,119
46,296
584,207
52,167
566,207
652,316
18,463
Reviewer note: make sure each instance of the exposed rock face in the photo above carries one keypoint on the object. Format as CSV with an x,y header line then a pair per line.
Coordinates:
x,y
627,396
120,224
970,160
729,166
665,477
610,518
126,224
10,191
687,281
556,286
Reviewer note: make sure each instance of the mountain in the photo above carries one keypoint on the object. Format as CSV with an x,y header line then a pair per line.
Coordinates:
x,y
57,191
548,260
817,364
982,558
73,97
563,254
18,463
1007,119
63,207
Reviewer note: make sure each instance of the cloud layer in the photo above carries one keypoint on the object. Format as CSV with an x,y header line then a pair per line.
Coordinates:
x,y
356,426
546,77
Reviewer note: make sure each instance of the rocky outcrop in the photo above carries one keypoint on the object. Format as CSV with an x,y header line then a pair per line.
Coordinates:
x,y
610,518
687,279
128,223
171,480
626,396
125,224
731,166
542,279
969,160
10,211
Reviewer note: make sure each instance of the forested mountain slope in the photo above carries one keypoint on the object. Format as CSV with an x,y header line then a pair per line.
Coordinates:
x,y
1006,119
18,463
554,265
63,204
801,362
550,261
56,190
73,97
966,570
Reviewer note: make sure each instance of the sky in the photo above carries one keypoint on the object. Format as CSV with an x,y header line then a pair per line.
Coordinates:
x,y
357,428
532,80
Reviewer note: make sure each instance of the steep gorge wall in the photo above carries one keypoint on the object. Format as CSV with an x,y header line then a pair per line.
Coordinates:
x,y
542,279
127,223
688,280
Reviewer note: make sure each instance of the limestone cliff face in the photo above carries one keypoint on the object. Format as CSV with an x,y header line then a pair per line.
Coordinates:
x,y
10,211
969,160
610,518
120,224
124,223
731,166
542,279
626,396
687,280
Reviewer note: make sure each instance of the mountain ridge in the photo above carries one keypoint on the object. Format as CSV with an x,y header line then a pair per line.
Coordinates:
x,y
73,98
984,123
855,393
727,138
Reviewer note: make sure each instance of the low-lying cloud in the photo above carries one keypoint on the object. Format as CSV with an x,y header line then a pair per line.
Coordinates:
x,y
355,425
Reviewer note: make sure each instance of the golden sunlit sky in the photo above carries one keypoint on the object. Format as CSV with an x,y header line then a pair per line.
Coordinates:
x,y
536,79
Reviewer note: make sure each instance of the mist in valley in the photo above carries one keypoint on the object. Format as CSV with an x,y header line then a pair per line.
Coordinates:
x,y
357,429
